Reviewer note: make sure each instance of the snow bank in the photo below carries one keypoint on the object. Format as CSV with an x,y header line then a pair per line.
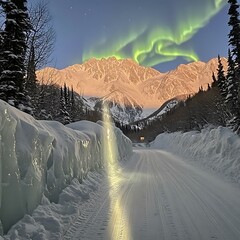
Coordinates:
x,y
52,220
216,148
42,157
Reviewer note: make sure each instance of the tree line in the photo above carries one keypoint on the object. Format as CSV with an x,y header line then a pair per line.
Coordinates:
x,y
229,82
27,41
219,105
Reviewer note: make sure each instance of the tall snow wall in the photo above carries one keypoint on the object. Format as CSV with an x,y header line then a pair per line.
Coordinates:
x,y
42,157
216,148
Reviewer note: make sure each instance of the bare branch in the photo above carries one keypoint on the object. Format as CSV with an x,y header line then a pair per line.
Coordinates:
x,y
42,35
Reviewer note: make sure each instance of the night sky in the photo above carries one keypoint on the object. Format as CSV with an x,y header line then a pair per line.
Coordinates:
x,y
157,33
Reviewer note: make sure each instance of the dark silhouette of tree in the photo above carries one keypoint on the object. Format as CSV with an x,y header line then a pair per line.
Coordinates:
x,y
63,113
65,94
221,79
214,83
231,97
1,49
74,107
41,38
13,54
234,34
31,79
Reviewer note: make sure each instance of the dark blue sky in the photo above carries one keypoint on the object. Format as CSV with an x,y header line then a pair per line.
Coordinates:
x,y
157,33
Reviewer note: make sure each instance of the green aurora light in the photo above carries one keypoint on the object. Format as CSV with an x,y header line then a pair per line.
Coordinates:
x,y
153,45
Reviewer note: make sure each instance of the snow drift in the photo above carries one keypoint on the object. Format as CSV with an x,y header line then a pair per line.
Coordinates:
x,y
216,148
40,158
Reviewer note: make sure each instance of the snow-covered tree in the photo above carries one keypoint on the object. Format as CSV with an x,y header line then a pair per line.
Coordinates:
x,y
233,79
231,97
1,49
12,59
31,81
234,34
63,116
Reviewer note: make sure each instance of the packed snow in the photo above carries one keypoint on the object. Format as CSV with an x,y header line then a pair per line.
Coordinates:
x,y
63,191
52,220
41,158
159,196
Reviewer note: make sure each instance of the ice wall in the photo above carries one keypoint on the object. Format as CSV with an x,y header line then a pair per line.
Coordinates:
x,y
42,157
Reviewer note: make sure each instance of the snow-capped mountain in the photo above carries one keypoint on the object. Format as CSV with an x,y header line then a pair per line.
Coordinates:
x,y
130,87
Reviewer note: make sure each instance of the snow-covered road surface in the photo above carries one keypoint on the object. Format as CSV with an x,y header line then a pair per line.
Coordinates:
x,y
158,196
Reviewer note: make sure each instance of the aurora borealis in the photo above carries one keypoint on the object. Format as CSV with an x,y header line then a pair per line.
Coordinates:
x,y
156,33
156,41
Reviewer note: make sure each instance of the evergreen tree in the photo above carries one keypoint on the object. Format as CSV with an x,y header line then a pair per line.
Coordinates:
x,y
67,100
63,113
72,97
41,112
209,87
31,86
73,110
1,49
231,96
69,96
221,80
31,81
13,53
214,83
234,35
65,94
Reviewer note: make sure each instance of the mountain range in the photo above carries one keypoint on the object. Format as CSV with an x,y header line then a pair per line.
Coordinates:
x,y
130,88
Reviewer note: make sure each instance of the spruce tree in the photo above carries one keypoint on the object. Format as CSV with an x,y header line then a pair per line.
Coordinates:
x,y
31,81
231,96
234,71
65,91
234,35
214,83
13,53
63,116
221,80
73,106
1,50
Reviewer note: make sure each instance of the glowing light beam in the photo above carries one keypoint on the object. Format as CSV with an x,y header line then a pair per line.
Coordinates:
x,y
119,215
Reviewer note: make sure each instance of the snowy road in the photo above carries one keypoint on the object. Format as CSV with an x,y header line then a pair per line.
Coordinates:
x,y
158,196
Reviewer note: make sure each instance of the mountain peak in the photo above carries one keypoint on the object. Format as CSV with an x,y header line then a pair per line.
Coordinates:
x,y
111,60
146,86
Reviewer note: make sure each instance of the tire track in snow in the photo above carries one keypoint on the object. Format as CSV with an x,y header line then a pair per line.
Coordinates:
x,y
90,210
164,198
93,223
165,211
199,196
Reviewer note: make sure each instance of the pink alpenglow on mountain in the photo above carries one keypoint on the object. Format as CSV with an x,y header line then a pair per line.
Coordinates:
x,y
127,83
